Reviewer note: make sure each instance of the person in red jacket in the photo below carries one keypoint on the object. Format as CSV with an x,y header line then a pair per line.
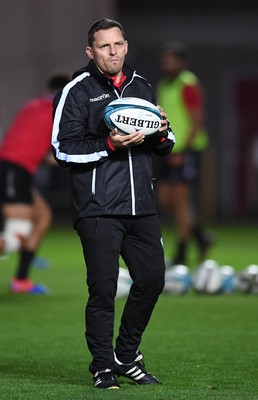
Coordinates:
x,y
26,215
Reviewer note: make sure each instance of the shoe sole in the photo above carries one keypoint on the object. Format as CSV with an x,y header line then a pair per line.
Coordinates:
x,y
138,383
107,388
113,387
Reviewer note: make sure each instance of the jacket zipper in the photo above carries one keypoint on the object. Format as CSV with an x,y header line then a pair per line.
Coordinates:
x,y
93,183
130,160
131,180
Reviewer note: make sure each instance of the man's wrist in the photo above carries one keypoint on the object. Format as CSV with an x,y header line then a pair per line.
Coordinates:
x,y
110,144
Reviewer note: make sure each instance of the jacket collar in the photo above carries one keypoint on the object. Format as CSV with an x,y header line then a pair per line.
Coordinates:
x,y
94,71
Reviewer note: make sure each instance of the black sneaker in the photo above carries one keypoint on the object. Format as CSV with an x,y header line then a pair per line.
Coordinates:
x,y
135,371
105,380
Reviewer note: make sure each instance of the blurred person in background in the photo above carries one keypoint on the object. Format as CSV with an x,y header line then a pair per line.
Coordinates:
x,y
25,213
180,94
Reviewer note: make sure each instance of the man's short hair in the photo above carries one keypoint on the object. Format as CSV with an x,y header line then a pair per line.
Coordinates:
x,y
103,24
57,81
178,48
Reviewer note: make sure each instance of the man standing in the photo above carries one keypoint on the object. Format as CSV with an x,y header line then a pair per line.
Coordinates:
x,y
113,202
180,94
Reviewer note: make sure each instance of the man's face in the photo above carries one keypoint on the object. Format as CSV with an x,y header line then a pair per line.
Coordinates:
x,y
108,50
171,64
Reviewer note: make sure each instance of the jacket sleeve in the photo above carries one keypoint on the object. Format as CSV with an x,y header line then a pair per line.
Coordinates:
x,y
162,144
71,140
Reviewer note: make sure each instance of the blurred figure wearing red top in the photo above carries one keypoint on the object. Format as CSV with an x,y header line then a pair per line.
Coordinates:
x,y
26,215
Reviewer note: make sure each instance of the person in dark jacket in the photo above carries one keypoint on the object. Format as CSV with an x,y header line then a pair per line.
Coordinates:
x,y
113,202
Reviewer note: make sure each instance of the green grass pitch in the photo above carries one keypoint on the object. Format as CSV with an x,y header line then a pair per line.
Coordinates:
x,y
199,346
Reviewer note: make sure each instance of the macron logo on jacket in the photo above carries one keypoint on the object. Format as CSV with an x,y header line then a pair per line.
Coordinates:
x,y
103,96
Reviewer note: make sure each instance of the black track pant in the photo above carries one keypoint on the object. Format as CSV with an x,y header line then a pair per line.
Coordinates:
x,y
138,240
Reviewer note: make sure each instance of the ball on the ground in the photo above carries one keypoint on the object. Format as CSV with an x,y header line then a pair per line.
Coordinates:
x,y
207,277
177,280
248,280
229,279
124,283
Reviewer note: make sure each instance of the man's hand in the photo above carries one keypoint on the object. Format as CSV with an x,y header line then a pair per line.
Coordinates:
x,y
124,141
164,121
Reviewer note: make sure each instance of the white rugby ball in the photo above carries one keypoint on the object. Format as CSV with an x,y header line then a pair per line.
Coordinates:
x,y
177,280
248,279
229,279
207,277
124,283
132,114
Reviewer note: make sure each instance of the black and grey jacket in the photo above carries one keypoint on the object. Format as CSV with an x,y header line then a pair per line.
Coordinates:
x,y
104,181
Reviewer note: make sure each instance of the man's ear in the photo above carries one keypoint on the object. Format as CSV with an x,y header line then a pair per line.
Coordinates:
x,y
126,46
88,51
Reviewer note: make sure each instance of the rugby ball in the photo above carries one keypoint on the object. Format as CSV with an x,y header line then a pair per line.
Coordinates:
x,y
207,277
248,280
177,280
229,279
132,114
124,283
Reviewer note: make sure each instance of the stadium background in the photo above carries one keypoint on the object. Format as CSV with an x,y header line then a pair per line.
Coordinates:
x,y
38,37
200,346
